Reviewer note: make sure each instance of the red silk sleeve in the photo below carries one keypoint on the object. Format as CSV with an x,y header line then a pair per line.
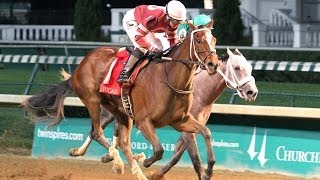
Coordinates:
x,y
172,37
141,37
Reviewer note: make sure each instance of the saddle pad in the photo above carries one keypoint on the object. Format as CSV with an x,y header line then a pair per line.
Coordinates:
x,y
110,86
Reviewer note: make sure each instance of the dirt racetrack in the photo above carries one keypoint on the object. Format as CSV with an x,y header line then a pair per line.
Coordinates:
x,y
23,167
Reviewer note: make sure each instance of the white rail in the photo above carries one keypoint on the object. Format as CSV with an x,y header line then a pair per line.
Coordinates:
x,y
10,100
40,32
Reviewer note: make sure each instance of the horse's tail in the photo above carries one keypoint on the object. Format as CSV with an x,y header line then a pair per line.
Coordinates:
x,y
64,75
48,105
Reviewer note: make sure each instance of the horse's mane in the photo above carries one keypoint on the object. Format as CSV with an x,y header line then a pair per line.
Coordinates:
x,y
225,57
236,53
173,48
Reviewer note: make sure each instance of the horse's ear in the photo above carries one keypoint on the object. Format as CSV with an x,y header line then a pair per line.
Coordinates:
x,y
214,41
229,52
237,51
192,26
210,24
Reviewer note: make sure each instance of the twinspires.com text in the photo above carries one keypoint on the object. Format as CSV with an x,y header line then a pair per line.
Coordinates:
x,y
60,135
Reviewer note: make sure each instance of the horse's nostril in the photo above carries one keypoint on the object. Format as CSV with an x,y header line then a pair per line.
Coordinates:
x,y
253,94
210,64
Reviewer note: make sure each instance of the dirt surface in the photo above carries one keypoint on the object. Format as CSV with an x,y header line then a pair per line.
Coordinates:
x,y
20,166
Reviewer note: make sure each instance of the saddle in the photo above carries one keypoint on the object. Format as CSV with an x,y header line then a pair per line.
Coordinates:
x,y
110,86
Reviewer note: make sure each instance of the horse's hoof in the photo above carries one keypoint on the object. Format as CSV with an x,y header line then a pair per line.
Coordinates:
x,y
139,157
209,173
205,177
155,176
147,163
118,165
107,158
118,168
74,152
141,176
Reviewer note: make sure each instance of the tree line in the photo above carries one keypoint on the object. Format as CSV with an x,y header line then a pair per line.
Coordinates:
x,y
228,28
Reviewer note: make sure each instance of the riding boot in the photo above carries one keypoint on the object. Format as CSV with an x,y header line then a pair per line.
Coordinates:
x,y
126,72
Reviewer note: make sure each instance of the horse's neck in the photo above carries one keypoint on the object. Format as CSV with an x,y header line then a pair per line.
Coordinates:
x,y
182,74
208,87
207,90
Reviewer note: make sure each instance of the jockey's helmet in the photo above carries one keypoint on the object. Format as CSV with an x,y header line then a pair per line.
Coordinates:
x,y
201,20
176,10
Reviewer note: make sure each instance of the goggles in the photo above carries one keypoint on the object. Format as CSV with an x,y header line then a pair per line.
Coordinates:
x,y
175,21
204,26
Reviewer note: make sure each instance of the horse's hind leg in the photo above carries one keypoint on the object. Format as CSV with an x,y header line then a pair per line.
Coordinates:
x,y
93,106
149,132
191,125
105,119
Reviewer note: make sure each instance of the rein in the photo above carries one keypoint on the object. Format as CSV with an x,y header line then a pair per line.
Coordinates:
x,y
179,91
198,61
158,59
169,59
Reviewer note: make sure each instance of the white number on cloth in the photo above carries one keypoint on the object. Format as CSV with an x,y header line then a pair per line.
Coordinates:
x,y
182,34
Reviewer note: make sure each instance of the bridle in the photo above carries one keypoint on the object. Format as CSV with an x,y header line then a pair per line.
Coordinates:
x,y
198,59
192,45
232,81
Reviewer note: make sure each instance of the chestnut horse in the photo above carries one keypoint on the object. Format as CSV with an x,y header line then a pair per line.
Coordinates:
x,y
161,96
234,72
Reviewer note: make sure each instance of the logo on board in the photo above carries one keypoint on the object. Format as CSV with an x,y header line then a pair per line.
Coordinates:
x,y
252,148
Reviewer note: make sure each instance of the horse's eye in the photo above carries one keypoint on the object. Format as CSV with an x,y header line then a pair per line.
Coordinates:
x,y
199,41
237,68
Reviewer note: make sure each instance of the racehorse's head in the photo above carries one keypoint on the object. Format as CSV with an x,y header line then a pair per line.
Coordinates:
x,y
202,47
237,74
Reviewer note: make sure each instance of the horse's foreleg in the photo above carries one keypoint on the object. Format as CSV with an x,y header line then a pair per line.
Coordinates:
x,y
149,132
191,125
178,152
190,142
125,144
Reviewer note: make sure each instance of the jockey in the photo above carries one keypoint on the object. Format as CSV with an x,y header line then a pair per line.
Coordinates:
x,y
201,20
144,24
